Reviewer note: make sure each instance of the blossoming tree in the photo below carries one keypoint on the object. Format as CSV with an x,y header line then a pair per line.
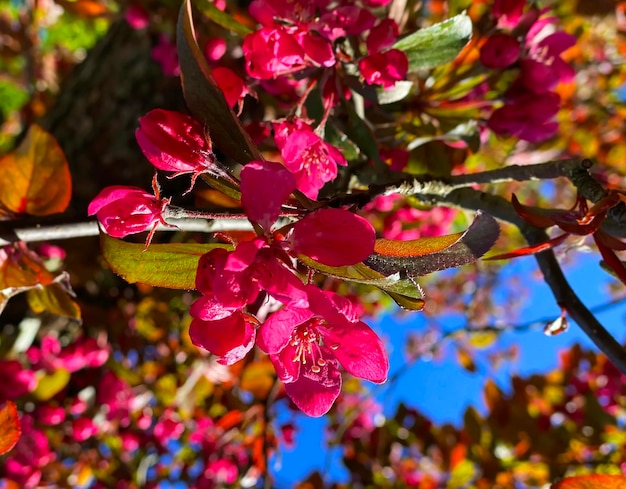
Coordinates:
x,y
325,159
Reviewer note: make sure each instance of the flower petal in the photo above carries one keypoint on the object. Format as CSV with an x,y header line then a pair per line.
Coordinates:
x,y
280,282
265,185
313,397
353,343
230,338
334,237
275,332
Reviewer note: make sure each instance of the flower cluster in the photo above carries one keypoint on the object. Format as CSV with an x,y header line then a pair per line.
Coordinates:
x,y
529,41
295,36
313,332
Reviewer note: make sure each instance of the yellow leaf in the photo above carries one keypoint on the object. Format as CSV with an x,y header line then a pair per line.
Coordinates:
x,y
50,385
258,378
53,299
35,177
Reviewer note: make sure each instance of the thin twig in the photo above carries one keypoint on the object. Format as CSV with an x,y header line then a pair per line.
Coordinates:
x,y
91,228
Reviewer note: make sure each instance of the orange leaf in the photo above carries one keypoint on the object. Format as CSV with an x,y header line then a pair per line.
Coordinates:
x,y
21,267
35,177
593,481
9,427
84,8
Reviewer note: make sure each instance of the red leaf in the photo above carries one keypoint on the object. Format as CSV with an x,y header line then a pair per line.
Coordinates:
x,y
609,241
530,215
593,481
611,259
9,427
531,250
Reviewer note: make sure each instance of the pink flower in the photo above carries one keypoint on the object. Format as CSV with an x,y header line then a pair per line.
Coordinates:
x,y
508,12
544,68
271,52
215,48
382,36
83,429
50,415
166,55
230,338
312,161
128,210
306,346
384,68
31,454
16,381
222,471
231,84
175,142
230,280
527,116
168,427
137,17
500,50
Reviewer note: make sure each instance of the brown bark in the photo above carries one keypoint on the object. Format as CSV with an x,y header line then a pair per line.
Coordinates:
x,y
95,116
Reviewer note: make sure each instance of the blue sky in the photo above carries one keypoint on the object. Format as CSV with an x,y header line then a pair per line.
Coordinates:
x,y
441,389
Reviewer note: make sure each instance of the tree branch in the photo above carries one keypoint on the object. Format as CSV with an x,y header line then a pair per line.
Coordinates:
x,y
501,208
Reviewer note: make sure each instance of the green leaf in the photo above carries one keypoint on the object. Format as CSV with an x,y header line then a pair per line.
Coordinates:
x,y
394,94
419,257
222,18
204,98
438,44
404,291
171,265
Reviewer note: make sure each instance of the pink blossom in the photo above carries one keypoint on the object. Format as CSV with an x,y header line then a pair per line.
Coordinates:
x,y
306,346
230,338
51,252
166,55
272,52
83,429
222,471
376,3
16,381
116,396
508,12
50,415
127,210
345,20
130,441
528,116
384,68
175,142
500,50
312,161
230,280
137,17
215,48
543,69
31,454
231,84
382,36
168,427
